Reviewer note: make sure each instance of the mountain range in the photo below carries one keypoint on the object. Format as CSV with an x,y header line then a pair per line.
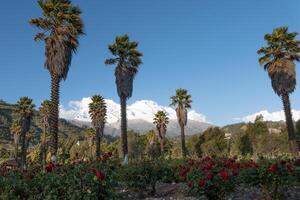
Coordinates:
x,y
140,116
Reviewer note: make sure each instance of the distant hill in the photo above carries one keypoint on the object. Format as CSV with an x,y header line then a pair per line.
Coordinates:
x,y
7,115
241,127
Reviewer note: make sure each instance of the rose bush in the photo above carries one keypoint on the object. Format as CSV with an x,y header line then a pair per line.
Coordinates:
x,y
217,178
214,178
273,177
88,180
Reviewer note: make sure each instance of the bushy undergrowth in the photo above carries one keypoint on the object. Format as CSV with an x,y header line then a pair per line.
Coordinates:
x,y
92,180
219,177
216,178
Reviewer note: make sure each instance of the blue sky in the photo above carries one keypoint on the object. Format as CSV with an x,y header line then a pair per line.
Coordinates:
x,y
206,46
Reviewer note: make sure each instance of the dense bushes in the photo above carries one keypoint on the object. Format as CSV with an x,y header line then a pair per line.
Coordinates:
x,y
218,178
92,180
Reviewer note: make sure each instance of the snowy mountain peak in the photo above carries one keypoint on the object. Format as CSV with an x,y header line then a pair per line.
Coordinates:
x,y
139,110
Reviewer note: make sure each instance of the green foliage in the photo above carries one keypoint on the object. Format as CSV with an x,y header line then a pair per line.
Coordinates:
x,y
217,178
7,115
297,129
76,181
192,144
245,145
214,142
143,175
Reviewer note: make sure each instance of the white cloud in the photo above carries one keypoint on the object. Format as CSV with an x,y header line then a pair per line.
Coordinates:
x,y
270,116
143,109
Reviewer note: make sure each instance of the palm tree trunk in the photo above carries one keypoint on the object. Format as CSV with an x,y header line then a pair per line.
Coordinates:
x,y
24,129
162,145
124,128
54,115
98,142
183,148
289,123
17,148
161,140
44,146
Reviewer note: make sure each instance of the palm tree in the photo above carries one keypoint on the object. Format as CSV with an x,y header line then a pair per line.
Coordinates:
x,y
15,130
161,121
183,101
97,110
278,60
24,109
60,26
127,60
45,111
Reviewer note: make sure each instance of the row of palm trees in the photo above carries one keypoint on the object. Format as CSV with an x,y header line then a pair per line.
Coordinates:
x,y
61,26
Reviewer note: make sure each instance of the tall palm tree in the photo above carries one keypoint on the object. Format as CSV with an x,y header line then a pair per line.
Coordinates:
x,y
161,121
127,60
15,130
97,110
24,109
278,59
60,26
183,101
45,111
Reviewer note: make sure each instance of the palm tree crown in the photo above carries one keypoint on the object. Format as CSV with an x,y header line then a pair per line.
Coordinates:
x,y
161,121
183,101
97,111
61,25
127,59
25,107
278,59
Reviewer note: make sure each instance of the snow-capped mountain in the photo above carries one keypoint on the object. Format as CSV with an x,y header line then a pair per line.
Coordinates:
x,y
140,116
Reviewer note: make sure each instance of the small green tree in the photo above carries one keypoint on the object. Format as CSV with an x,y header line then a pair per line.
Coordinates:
x,y
245,145
214,142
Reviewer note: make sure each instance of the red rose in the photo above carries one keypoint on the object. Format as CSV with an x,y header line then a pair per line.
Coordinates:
x,y
190,162
100,176
50,167
201,183
184,172
273,168
290,169
209,176
224,175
